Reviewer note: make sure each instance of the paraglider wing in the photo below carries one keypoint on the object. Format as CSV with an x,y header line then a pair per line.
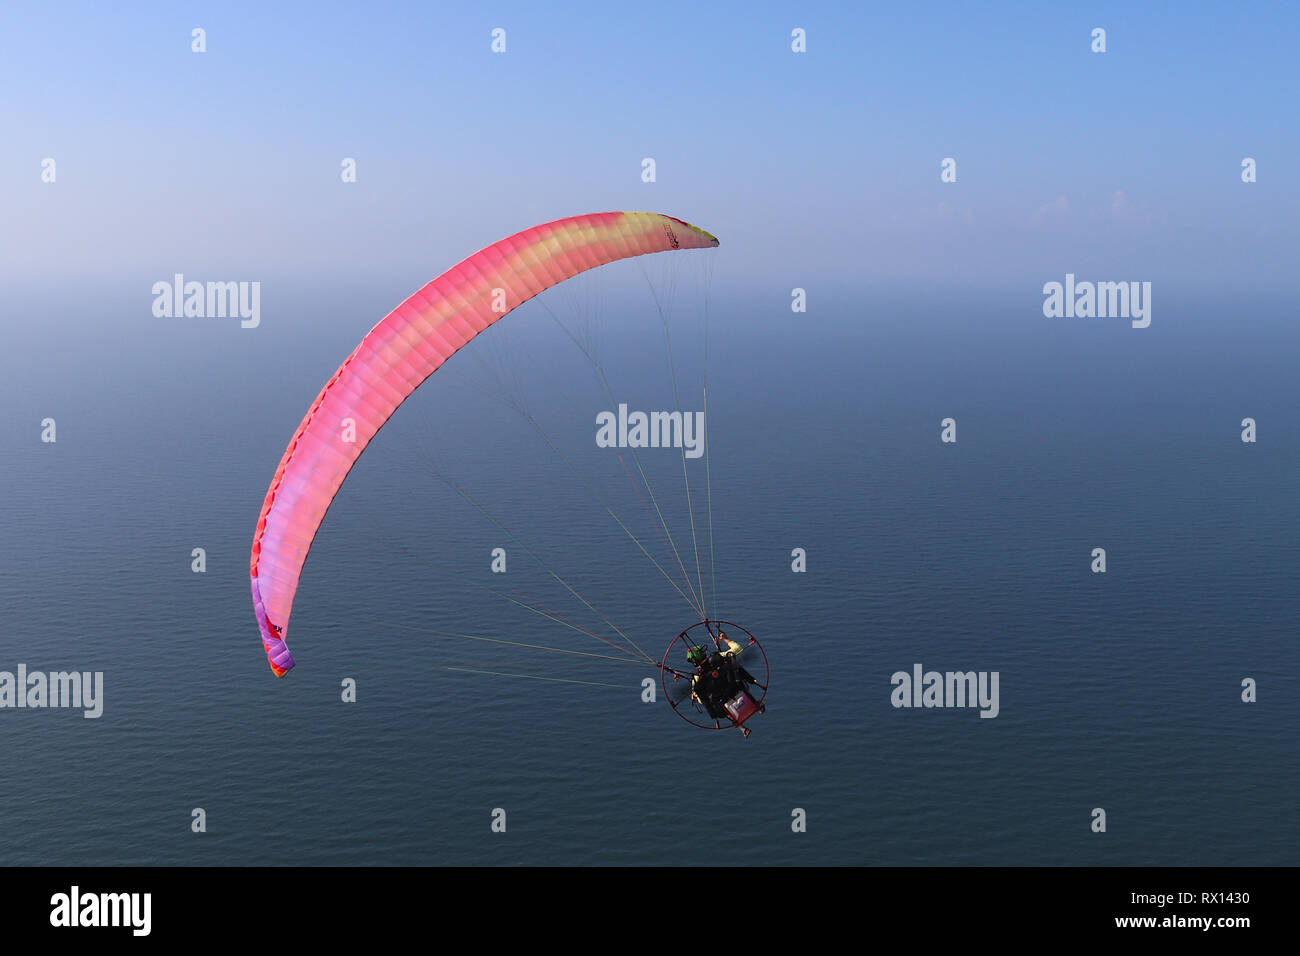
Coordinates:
x,y
396,356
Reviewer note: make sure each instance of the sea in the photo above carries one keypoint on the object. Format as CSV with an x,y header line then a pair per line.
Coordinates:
x,y
443,713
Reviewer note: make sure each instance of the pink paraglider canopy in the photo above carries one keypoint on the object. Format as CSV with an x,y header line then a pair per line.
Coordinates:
x,y
397,355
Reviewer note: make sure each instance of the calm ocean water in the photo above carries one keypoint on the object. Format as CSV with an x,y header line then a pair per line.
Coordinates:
x,y
1119,691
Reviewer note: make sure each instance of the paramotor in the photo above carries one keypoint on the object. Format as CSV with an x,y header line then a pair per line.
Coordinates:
x,y
736,663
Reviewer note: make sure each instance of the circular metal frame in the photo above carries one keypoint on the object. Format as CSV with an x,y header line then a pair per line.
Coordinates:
x,y
666,671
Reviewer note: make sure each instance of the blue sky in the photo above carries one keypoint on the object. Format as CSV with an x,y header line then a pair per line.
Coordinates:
x,y
821,166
